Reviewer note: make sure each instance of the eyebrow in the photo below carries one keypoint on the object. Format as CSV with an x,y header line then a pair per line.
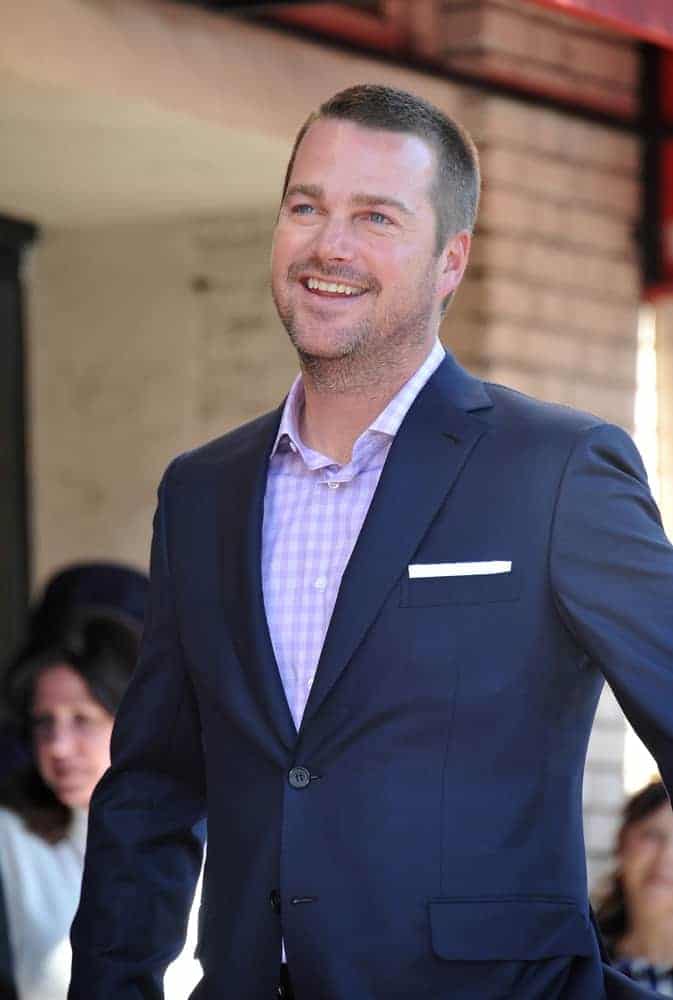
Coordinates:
x,y
380,199
360,198
310,190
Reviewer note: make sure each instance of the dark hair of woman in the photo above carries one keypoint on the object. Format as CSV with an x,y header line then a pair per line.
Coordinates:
x,y
102,649
611,910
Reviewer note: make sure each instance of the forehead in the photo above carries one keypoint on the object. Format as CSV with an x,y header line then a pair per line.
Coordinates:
x,y
343,157
661,817
59,684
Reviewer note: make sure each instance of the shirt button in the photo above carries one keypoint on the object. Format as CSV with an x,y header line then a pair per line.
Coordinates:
x,y
321,583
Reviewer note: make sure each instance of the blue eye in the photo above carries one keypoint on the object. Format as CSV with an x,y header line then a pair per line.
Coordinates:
x,y
378,217
302,209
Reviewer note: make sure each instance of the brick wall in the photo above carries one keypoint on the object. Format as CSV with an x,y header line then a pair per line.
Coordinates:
x,y
518,41
554,272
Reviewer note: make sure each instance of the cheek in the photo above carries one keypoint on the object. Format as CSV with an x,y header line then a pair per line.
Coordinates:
x,y
42,758
277,254
635,863
407,267
98,751
286,244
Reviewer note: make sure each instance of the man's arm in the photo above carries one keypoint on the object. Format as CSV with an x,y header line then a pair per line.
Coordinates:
x,y
145,834
612,574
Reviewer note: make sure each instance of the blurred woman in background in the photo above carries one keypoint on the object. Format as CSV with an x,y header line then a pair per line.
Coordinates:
x,y
635,910
62,690
65,698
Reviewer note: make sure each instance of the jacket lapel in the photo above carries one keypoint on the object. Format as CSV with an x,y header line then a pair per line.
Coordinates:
x,y
241,510
425,459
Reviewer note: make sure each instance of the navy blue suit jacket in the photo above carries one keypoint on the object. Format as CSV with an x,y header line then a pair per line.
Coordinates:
x,y
437,850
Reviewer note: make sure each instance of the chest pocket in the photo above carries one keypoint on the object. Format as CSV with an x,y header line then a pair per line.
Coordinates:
x,y
477,588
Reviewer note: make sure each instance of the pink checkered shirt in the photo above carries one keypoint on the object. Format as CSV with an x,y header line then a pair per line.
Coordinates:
x,y
313,512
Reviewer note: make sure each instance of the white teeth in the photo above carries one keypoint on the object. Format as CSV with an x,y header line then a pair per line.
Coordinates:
x,y
330,286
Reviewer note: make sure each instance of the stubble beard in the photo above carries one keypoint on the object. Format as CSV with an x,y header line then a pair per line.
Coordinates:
x,y
365,357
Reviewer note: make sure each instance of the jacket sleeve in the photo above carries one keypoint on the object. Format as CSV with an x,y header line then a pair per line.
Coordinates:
x,y
611,569
146,821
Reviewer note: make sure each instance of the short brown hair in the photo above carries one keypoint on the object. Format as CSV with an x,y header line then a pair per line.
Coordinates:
x,y
455,192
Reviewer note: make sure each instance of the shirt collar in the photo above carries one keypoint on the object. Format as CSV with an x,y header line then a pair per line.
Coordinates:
x,y
388,421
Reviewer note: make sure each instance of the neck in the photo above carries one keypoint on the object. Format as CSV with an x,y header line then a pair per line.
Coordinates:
x,y
650,937
339,405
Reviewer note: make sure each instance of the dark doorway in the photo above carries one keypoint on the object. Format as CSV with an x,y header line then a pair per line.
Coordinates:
x,y
15,239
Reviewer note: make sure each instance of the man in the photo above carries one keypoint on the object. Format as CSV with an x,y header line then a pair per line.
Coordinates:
x,y
379,623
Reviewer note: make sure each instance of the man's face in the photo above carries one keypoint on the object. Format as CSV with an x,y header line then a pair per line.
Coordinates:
x,y
355,270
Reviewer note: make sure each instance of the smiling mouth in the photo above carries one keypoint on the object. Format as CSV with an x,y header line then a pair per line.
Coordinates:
x,y
333,289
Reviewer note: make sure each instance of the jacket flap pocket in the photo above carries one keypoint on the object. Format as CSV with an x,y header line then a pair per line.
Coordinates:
x,y
508,928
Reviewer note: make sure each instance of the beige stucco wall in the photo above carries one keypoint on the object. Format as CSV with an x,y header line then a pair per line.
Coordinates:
x,y
143,342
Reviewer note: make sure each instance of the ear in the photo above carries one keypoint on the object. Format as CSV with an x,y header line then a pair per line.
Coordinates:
x,y
453,261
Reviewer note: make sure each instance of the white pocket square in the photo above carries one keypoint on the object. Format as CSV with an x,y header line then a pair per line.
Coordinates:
x,y
419,571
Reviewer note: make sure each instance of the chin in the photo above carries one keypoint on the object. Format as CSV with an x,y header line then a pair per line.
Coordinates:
x,y
319,348
334,344
73,798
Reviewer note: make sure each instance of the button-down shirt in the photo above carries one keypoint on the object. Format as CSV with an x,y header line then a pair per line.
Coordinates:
x,y
314,509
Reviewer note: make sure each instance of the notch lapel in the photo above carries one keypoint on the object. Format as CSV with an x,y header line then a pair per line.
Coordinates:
x,y
241,510
425,459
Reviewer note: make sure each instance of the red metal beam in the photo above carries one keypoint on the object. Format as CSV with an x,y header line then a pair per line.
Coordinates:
x,y
650,20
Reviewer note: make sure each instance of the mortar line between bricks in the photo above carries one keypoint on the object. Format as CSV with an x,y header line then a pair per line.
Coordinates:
x,y
497,143
591,207
484,317
570,375
527,236
519,277
570,77
529,15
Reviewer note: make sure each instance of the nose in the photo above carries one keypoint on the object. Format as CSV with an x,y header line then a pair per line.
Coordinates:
x,y
334,241
60,740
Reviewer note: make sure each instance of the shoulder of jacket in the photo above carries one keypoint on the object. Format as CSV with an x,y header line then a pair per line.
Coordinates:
x,y
553,423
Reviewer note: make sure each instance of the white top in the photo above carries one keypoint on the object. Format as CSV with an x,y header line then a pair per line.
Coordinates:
x,y
41,884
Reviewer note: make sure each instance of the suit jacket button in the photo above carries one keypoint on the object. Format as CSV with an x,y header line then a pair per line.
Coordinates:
x,y
274,899
299,777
